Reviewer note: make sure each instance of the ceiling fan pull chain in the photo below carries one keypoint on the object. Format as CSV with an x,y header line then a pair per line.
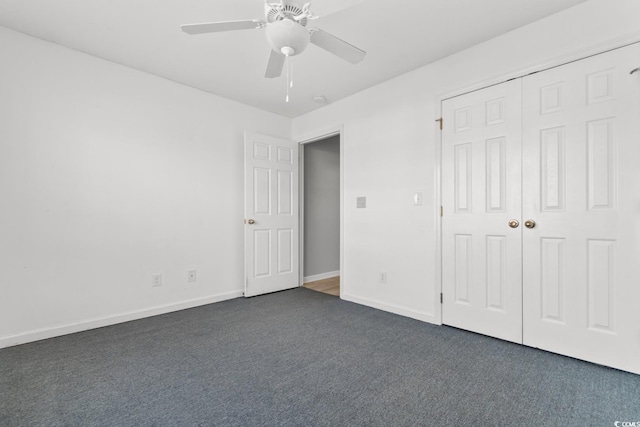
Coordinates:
x,y
291,76
287,60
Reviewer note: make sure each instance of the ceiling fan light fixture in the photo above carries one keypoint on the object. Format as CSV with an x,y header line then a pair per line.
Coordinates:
x,y
287,36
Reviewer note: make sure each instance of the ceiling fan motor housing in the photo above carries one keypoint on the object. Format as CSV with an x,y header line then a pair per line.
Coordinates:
x,y
287,37
287,9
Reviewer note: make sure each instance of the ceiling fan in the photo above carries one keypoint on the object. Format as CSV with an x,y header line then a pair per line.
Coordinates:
x,y
285,25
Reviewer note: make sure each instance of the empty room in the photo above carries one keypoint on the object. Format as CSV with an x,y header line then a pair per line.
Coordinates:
x,y
320,213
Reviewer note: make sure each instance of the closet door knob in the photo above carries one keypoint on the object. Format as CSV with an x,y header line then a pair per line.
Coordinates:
x,y
251,221
529,223
514,223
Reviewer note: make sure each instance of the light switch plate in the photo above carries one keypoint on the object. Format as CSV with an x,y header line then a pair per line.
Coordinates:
x,y
361,202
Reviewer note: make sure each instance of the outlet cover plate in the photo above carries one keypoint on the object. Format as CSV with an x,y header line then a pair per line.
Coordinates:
x,y
156,280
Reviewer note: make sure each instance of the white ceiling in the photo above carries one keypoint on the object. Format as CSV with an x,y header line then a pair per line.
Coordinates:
x,y
398,36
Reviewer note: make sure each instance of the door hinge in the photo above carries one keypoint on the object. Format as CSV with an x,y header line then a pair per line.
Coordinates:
x,y
441,121
441,211
441,298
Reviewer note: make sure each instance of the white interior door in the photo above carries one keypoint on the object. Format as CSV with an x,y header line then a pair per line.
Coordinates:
x,y
271,214
581,181
481,195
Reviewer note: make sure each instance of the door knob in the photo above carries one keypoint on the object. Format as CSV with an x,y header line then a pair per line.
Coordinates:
x,y
250,222
529,223
514,223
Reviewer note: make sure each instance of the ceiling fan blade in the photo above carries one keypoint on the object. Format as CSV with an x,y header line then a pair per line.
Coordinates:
x,y
214,27
338,47
275,65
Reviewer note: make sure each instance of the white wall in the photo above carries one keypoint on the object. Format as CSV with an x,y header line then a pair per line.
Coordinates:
x,y
391,149
107,176
322,209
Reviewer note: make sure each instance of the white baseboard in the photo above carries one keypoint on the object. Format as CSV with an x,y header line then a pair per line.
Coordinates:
x,y
321,276
56,331
402,311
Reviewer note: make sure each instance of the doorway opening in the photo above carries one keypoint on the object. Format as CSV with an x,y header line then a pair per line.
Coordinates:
x,y
320,206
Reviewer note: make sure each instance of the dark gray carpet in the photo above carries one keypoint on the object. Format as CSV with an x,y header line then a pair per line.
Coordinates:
x,y
301,358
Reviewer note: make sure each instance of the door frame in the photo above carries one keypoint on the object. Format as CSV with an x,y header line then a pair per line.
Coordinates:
x,y
575,55
309,138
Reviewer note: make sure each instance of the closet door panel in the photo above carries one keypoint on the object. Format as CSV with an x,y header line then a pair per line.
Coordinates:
x,y
581,133
482,263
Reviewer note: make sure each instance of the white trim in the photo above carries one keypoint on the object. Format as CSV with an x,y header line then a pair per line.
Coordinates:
x,y
437,191
56,331
321,276
307,138
301,214
543,65
414,314
318,135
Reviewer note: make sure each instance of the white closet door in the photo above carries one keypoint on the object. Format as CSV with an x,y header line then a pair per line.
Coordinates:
x,y
581,186
481,187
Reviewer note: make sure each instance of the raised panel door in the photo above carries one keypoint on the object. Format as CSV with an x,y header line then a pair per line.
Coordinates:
x,y
271,214
482,260
581,186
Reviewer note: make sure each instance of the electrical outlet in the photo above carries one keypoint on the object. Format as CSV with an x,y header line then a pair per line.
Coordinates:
x,y
156,280
191,276
382,277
